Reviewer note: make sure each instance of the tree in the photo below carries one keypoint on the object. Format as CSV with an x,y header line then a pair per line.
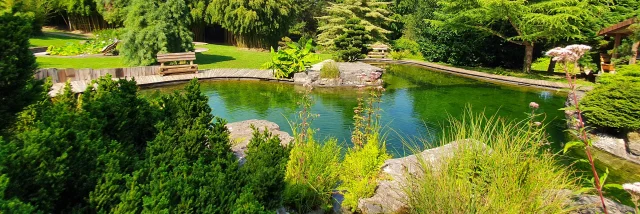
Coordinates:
x,y
17,66
532,21
113,11
265,168
353,43
372,15
188,167
254,23
155,27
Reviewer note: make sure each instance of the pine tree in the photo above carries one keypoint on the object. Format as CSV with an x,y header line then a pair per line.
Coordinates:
x,y
353,43
372,14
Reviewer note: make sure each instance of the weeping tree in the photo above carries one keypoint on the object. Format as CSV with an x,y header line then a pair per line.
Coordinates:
x,y
532,21
372,14
154,27
254,23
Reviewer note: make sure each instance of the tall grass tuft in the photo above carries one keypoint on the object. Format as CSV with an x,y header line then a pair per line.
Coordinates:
x,y
330,70
498,167
361,166
313,169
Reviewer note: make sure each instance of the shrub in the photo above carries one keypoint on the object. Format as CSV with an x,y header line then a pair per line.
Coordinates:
x,y
360,170
398,55
353,44
265,167
293,59
330,70
17,65
615,103
404,44
312,174
496,167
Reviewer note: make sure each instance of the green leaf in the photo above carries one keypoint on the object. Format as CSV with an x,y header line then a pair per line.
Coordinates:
x,y
572,144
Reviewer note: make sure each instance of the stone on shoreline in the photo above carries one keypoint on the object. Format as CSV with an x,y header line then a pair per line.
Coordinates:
x,y
241,134
351,74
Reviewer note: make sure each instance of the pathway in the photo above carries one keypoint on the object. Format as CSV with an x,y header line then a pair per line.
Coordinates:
x,y
481,75
148,80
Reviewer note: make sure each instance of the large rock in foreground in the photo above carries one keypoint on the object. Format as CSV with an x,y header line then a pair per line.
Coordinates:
x,y
389,196
241,134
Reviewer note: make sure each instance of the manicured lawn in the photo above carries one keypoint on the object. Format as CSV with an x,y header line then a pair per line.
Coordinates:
x,y
218,56
55,39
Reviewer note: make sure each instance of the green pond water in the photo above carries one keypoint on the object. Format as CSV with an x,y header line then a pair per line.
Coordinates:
x,y
415,105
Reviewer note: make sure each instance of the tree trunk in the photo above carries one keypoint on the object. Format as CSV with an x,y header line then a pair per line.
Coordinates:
x,y
552,66
528,56
634,53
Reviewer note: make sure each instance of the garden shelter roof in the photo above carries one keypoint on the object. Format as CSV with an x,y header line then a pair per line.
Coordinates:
x,y
621,28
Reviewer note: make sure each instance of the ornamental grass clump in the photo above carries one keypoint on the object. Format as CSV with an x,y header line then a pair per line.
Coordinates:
x,y
360,170
498,166
312,170
330,70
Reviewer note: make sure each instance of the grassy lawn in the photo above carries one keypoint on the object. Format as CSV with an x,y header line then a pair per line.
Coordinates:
x,y
218,56
55,39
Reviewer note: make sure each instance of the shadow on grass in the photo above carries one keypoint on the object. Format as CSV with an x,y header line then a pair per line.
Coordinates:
x,y
202,59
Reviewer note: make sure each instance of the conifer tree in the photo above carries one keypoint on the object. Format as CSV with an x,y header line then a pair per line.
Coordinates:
x,y
372,14
353,43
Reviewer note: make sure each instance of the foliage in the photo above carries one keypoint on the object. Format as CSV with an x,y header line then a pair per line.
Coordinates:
x,y
398,55
152,28
189,165
17,66
312,174
529,21
615,103
12,205
353,43
405,44
113,11
313,168
371,14
362,163
265,167
290,60
73,49
496,166
37,10
256,23
330,70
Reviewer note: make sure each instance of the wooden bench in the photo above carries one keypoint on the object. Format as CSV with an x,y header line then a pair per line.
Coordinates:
x,y
180,65
605,63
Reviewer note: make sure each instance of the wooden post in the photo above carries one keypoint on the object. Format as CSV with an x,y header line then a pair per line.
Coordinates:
x,y
616,43
634,53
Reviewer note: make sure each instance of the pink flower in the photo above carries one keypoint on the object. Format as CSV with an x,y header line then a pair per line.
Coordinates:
x,y
633,188
537,123
533,105
578,49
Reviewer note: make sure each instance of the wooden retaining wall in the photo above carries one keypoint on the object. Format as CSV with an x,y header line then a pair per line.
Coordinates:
x,y
70,74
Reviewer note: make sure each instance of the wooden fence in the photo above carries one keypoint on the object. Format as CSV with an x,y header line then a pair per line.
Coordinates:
x,y
70,74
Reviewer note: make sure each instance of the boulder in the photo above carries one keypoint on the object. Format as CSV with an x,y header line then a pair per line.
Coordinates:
x,y
590,204
389,196
615,146
633,143
351,74
241,134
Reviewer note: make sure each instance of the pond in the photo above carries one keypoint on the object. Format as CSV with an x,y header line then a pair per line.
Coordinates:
x,y
415,105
